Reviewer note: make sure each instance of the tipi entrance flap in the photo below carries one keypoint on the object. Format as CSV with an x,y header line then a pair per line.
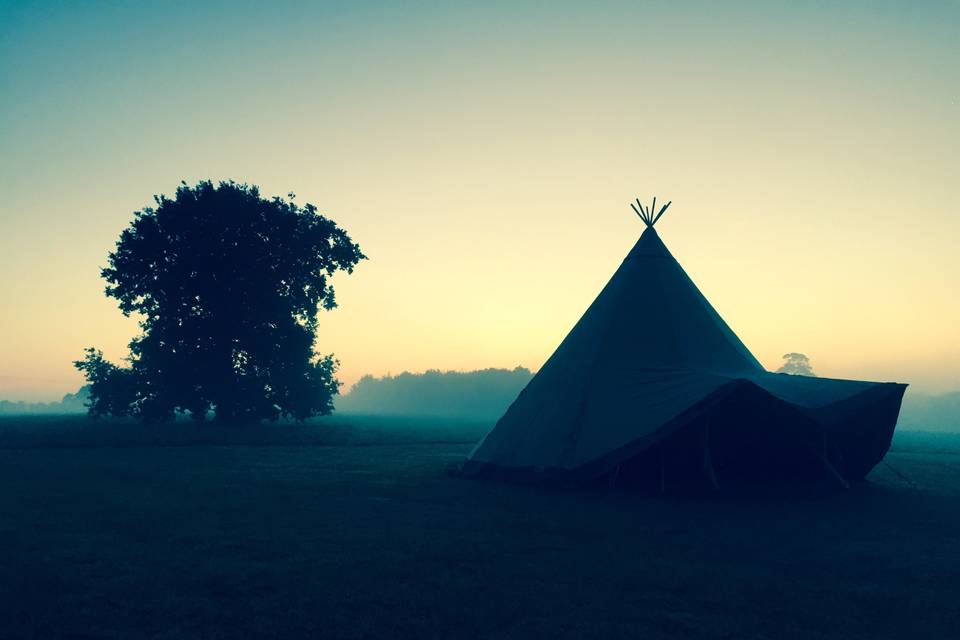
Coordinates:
x,y
628,404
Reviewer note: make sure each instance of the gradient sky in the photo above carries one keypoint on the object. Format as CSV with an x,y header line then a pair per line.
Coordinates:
x,y
483,157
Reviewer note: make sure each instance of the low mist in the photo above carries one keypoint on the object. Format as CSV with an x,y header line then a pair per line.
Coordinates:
x,y
482,395
71,403
929,412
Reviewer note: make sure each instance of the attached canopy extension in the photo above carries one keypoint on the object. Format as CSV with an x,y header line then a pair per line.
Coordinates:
x,y
652,388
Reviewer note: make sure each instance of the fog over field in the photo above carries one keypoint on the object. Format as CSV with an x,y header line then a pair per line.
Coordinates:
x,y
930,412
475,395
484,395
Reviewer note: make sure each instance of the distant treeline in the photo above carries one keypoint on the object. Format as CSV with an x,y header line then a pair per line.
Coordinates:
x,y
469,395
71,403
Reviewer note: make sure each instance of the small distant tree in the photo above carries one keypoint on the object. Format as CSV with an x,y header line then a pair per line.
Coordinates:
x,y
796,364
228,285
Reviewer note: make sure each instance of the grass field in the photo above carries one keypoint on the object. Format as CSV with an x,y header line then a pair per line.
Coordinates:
x,y
352,528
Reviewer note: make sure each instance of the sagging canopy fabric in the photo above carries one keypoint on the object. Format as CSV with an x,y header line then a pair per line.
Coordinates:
x,y
651,358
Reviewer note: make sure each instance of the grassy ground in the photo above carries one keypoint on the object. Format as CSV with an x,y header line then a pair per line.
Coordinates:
x,y
353,529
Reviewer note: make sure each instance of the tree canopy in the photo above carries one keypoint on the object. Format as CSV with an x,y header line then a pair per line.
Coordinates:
x,y
227,284
796,364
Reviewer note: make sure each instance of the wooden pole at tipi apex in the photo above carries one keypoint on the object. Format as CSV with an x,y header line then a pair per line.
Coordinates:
x,y
647,214
643,213
661,211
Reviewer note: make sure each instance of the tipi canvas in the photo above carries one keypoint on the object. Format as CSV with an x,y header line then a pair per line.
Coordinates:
x,y
651,388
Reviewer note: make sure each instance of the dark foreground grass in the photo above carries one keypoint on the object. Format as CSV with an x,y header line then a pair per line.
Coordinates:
x,y
360,533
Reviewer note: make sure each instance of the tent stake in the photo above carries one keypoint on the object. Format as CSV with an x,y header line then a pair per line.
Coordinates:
x,y
612,478
663,473
825,461
832,472
707,460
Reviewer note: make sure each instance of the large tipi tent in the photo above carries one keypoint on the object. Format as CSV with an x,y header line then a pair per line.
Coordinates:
x,y
651,388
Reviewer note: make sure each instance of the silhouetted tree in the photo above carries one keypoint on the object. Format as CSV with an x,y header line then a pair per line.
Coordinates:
x,y
228,285
796,364
112,389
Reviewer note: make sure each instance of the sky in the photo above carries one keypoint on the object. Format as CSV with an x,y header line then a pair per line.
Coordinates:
x,y
484,156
